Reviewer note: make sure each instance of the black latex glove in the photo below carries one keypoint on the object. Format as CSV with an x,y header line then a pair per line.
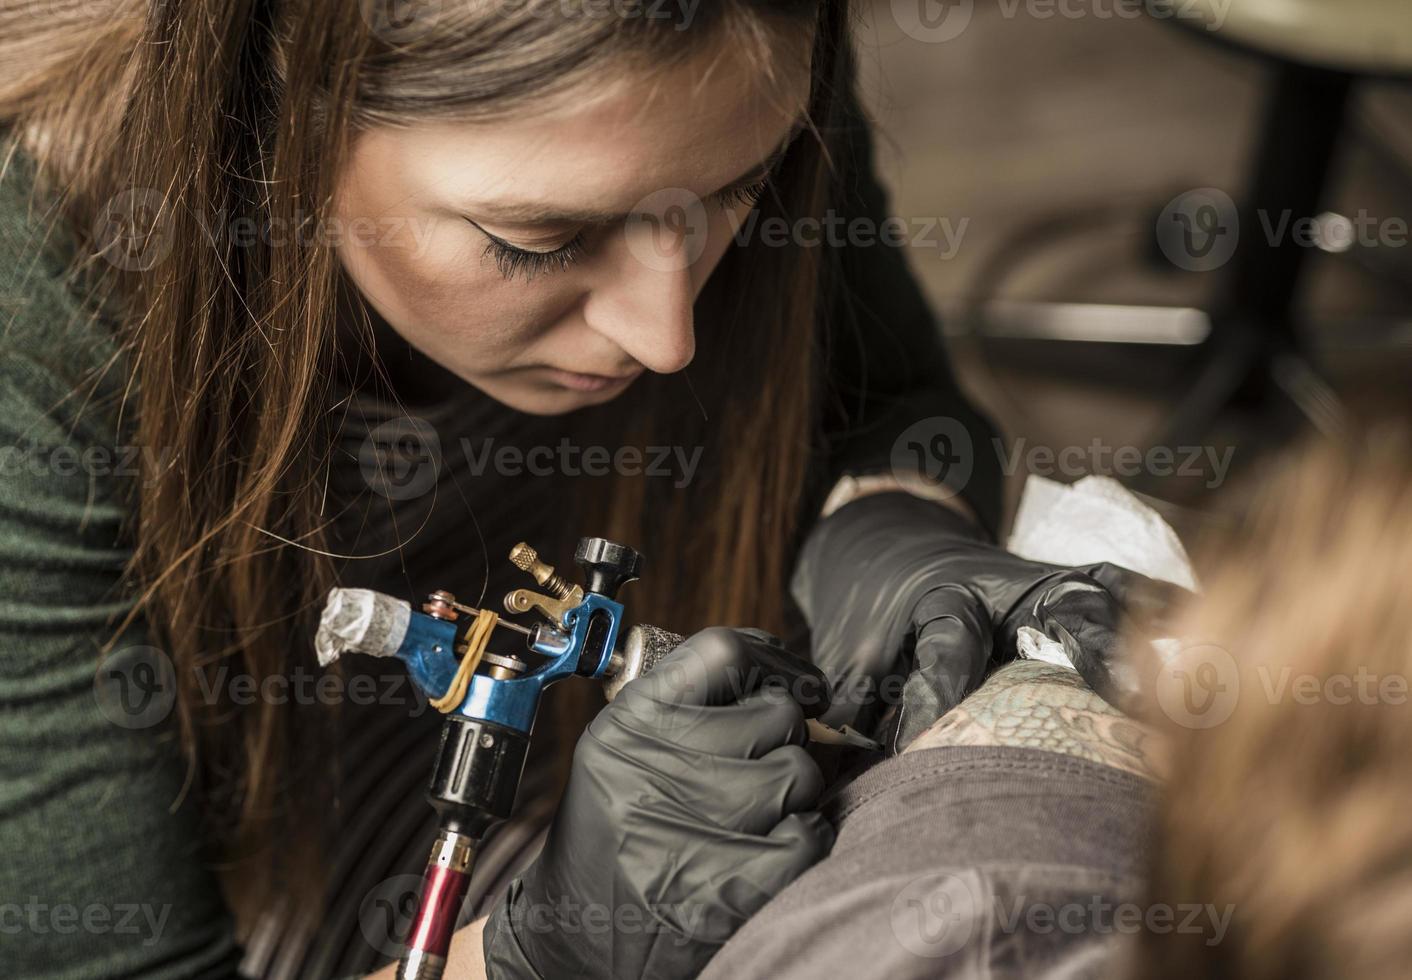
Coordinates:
x,y
907,601
688,808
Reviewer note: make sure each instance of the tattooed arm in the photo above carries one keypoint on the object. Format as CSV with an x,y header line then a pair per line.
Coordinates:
x,y
1028,704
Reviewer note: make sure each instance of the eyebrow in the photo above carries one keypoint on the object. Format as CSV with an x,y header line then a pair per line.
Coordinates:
x,y
533,213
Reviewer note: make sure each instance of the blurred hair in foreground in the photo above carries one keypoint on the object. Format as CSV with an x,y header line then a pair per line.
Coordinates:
x,y
1293,810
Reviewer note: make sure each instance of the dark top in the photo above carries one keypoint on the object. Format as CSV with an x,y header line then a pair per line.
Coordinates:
x,y
103,872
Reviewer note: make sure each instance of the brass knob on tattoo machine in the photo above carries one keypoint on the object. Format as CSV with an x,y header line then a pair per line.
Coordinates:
x,y
526,559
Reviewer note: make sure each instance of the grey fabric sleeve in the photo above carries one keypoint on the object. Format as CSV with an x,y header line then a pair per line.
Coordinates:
x,y
962,861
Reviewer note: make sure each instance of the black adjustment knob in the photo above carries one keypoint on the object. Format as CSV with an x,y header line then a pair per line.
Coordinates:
x,y
607,565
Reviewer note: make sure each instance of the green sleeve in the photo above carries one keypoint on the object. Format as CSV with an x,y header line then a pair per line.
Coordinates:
x,y
103,872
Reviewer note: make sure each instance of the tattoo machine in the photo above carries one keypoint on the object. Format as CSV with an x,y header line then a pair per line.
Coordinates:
x,y
491,699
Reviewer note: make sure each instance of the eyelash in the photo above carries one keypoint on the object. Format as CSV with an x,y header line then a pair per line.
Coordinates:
x,y
511,261
749,195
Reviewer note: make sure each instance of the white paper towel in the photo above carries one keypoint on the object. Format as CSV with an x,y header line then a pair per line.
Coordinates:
x,y
1093,520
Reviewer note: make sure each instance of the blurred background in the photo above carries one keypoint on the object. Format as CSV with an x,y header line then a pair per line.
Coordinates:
x,y
1093,281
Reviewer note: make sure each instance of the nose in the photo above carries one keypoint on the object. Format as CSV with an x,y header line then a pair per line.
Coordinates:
x,y
644,305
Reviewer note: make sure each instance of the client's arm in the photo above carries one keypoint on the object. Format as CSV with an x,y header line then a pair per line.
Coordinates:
x,y
466,962
999,844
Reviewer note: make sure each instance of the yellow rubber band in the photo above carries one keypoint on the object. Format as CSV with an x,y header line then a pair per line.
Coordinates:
x,y
476,640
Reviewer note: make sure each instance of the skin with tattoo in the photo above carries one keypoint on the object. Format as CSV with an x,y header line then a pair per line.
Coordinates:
x,y
1028,704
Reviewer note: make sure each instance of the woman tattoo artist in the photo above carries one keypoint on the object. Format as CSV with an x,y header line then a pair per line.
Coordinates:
x,y
281,280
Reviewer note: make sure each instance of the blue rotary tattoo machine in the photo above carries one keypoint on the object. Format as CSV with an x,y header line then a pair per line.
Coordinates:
x,y
491,699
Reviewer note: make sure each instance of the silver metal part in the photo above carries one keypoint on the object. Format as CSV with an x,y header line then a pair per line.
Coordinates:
x,y
473,612
452,850
421,965
513,664
847,735
642,648
441,605
550,642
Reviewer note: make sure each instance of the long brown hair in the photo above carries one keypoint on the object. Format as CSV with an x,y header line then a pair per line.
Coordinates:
x,y
245,109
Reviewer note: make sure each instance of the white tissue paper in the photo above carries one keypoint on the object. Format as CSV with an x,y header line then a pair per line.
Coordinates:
x,y
1090,521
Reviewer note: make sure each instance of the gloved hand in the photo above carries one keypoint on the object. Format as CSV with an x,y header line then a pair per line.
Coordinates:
x,y
687,809
897,587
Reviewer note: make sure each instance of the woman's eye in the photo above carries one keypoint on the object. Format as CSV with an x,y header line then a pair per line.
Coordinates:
x,y
511,260
745,196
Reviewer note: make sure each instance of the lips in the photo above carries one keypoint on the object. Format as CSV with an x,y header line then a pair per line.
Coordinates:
x,y
583,381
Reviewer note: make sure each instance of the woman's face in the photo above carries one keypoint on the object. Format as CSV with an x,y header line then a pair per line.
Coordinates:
x,y
550,259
